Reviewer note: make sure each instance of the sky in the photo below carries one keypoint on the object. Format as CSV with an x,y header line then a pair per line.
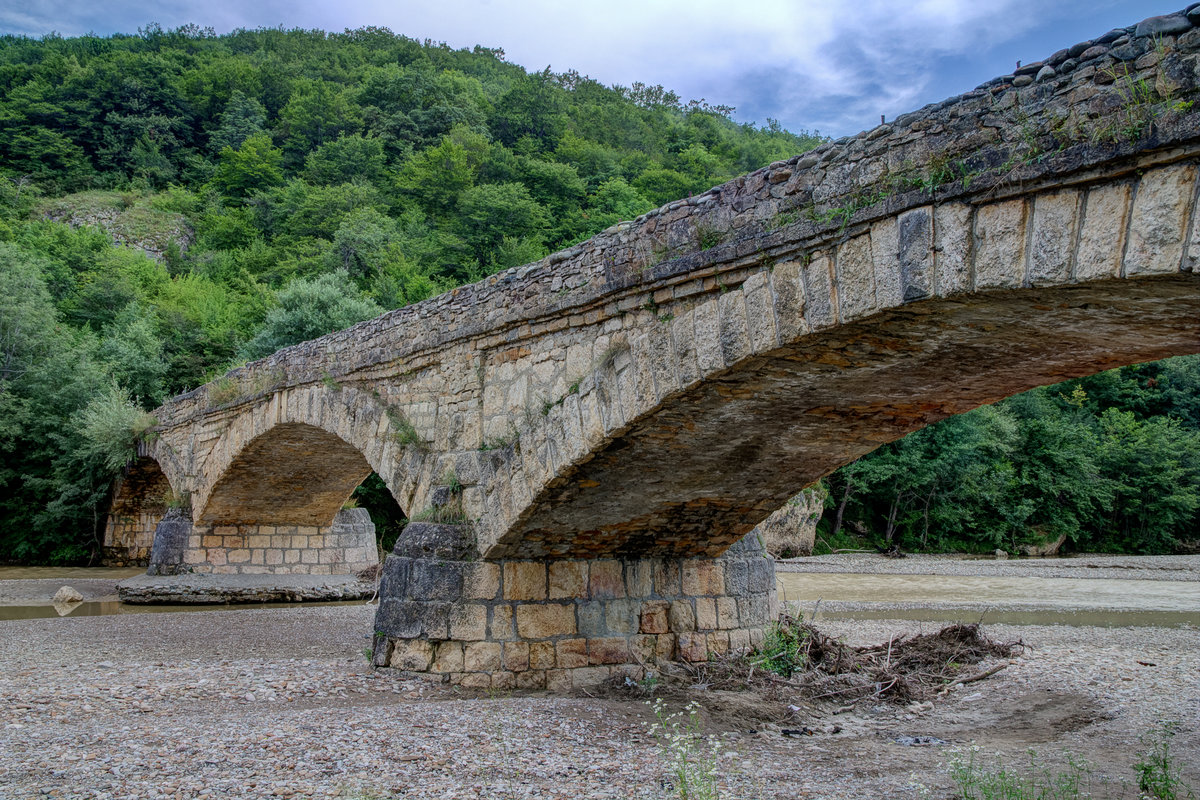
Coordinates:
x,y
828,66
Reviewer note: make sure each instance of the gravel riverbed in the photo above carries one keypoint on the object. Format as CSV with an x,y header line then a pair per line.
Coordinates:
x,y
280,703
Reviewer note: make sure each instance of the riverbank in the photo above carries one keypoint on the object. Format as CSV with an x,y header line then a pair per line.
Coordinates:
x,y
266,703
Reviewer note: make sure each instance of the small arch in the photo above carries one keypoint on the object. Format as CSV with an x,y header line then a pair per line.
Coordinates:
x,y
293,474
141,496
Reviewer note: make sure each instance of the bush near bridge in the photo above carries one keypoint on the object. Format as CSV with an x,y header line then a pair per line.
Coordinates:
x,y
274,185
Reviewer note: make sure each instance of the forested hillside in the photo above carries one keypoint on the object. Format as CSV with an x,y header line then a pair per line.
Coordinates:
x,y
176,202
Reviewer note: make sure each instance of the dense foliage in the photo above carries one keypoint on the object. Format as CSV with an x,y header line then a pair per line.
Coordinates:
x,y
1107,463
291,183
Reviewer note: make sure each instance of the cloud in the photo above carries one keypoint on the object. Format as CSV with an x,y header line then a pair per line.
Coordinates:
x,y
824,64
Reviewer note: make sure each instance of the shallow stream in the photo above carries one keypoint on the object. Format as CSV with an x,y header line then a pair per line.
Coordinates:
x,y
933,598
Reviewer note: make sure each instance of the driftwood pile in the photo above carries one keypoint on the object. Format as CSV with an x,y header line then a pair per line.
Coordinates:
x,y
800,661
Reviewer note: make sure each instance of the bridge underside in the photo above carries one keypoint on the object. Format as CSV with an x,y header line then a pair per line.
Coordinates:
x,y
711,462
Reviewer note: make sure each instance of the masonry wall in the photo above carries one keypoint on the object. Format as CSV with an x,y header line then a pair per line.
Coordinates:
x,y
345,547
565,623
140,500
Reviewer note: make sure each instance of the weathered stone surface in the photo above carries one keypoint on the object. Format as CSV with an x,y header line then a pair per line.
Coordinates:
x,y
525,580
186,588
1158,221
545,621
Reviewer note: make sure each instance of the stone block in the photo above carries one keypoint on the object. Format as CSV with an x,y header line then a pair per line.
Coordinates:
x,y
856,279
664,647
591,618
666,578
702,576
545,621
727,613
1102,236
1052,237
571,653
274,556
414,655
718,642
258,540
760,575
541,655
525,580
735,334
501,627
609,650
531,679
504,680
621,616
606,579
654,617
692,647
435,580
588,677
309,557
951,246
639,577
681,617
736,577
516,656
448,657
481,656
1000,238
643,647
559,680
788,293
481,580
468,621
291,557
1157,224
706,613
568,579
915,253
239,556
739,641
476,680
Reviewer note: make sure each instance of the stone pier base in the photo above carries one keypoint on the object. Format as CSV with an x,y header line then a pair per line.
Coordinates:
x,y
564,623
343,548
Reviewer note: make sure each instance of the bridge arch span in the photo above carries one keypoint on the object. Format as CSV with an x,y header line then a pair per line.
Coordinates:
x,y
700,466
296,456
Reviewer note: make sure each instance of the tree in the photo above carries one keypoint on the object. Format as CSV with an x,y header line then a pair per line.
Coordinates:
x,y
307,309
253,166
242,118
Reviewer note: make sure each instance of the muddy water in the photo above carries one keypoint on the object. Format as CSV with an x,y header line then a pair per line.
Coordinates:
x,y
26,592
934,598
1008,600
55,573
105,607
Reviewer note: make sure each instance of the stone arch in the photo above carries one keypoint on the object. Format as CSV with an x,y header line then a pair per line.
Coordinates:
x,y
288,429
141,496
695,439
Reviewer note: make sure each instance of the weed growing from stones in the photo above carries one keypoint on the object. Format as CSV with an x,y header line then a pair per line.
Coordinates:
x,y
691,757
1157,771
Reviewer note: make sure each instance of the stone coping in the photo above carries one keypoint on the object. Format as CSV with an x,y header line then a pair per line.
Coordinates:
x,y
207,588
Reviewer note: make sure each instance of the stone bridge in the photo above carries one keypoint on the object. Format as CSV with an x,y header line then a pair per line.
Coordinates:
x,y
584,439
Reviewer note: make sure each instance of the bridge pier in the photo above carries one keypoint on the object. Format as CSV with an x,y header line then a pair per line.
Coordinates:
x,y
560,624
343,548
